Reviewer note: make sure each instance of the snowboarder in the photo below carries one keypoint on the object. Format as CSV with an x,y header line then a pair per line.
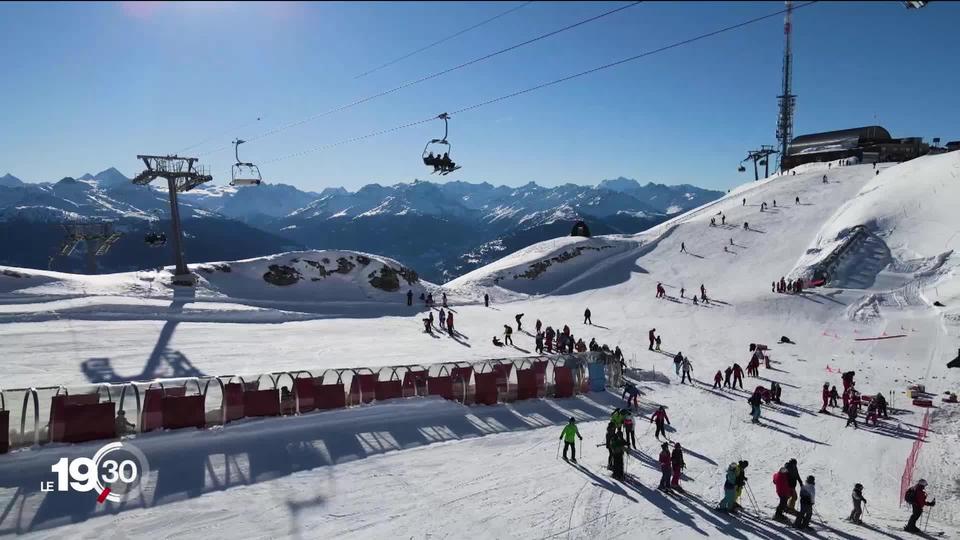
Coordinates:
x,y
807,498
617,447
683,247
729,488
507,334
687,368
659,417
917,497
677,464
652,337
486,300
629,433
569,435
409,297
450,323
678,362
833,396
726,377
755,400
517,317
781,481
586,317
123,426
665,467
657,346
737,376
717,379
858,502
539,342
793,478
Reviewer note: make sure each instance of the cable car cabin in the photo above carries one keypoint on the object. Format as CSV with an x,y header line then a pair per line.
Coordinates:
x,y
245,174
155,239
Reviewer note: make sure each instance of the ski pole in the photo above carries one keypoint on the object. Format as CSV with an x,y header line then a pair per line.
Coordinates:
x,y
822,522
752,498
927,522
558,449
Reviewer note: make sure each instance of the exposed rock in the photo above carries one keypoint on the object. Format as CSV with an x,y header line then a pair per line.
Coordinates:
x,y
282,275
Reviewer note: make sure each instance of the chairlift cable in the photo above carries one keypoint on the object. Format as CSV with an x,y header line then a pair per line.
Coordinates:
x,y
427,77
546,84
444,40
218,135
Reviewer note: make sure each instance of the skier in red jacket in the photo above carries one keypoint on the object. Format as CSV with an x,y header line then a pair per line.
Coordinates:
x,y
781,480
717,379
659,417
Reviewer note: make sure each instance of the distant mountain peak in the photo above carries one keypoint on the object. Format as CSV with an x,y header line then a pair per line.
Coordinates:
x,y
9,180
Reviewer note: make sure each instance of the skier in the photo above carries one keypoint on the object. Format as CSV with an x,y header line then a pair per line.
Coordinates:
x,y
713,222
774,203
793,478
687,368
608,443
586,317
507,334
807,498
781,480
917,497
617,447
652,337
617,418
797,201
568,435
881,405
678,362
665,467
630,394
744,201
737,376
486,300
549,335
683,247
123,427
833,396
729,488
726,377
538,326
677,463
871,413
444,299
741,480
427,323
682,292
497,342
825,177
754,402
517,317
753,367
703,292
443,319
723,219
858,502
629,433
746,226
539,342
851,416
659,417
657,346
825,395
695,301
450,323
717,379
409,297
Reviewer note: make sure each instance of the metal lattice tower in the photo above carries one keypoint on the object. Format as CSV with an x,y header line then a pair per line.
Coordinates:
x,y
98,238
182,174
786,100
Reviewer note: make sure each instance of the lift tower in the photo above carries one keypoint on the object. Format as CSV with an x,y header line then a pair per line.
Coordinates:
x,y
98,237
182,174
786,99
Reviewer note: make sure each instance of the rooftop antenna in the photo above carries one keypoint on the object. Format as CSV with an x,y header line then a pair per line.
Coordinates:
x,y
182,174
786,99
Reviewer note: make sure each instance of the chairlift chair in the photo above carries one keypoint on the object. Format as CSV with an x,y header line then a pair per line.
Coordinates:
x,y
438,148
243,174
741,168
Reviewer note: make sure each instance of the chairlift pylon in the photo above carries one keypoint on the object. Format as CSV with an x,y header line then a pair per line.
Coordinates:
x,y
243,174
440,161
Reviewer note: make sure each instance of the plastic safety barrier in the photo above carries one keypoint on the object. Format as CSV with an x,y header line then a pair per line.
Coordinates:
x,y
527,387
388,390
58,405
363,387
440,386
598,377
184,411
562,382
4,432
261,403
923,402
88,422
486,388
233,401
305,390
461,374
415,383
330,396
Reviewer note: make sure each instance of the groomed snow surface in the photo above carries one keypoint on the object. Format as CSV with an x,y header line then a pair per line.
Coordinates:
x,y
420,468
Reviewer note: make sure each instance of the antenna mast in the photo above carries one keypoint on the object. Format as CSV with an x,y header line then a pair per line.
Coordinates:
x,y
786,99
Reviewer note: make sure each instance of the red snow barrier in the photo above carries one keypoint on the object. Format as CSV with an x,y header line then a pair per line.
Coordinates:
x,y
330,396
182,412
388,390
152,413
4,432
906,479
415,383
261,403
527,387
58,405
440,386
304,390
486,388
233,401
879,337
562,382
362,387
923,402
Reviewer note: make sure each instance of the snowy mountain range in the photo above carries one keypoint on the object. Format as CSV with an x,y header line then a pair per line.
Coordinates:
x,y
464,223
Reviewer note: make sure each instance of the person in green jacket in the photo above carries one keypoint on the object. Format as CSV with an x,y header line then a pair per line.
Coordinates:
x,y
617,418
569,435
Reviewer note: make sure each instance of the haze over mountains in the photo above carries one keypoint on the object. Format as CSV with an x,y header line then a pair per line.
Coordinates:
x,y
443,230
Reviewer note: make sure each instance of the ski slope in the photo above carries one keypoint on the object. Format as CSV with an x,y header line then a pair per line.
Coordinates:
x,y
426,468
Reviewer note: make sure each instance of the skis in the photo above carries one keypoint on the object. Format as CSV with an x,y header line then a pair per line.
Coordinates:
x,y
929,534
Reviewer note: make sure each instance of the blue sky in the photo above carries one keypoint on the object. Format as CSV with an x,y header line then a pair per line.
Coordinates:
x,y
90,85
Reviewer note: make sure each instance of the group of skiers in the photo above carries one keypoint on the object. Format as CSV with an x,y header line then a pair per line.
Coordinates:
x,y
662,292
445,320
683,367
548,340
784,286
853,401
